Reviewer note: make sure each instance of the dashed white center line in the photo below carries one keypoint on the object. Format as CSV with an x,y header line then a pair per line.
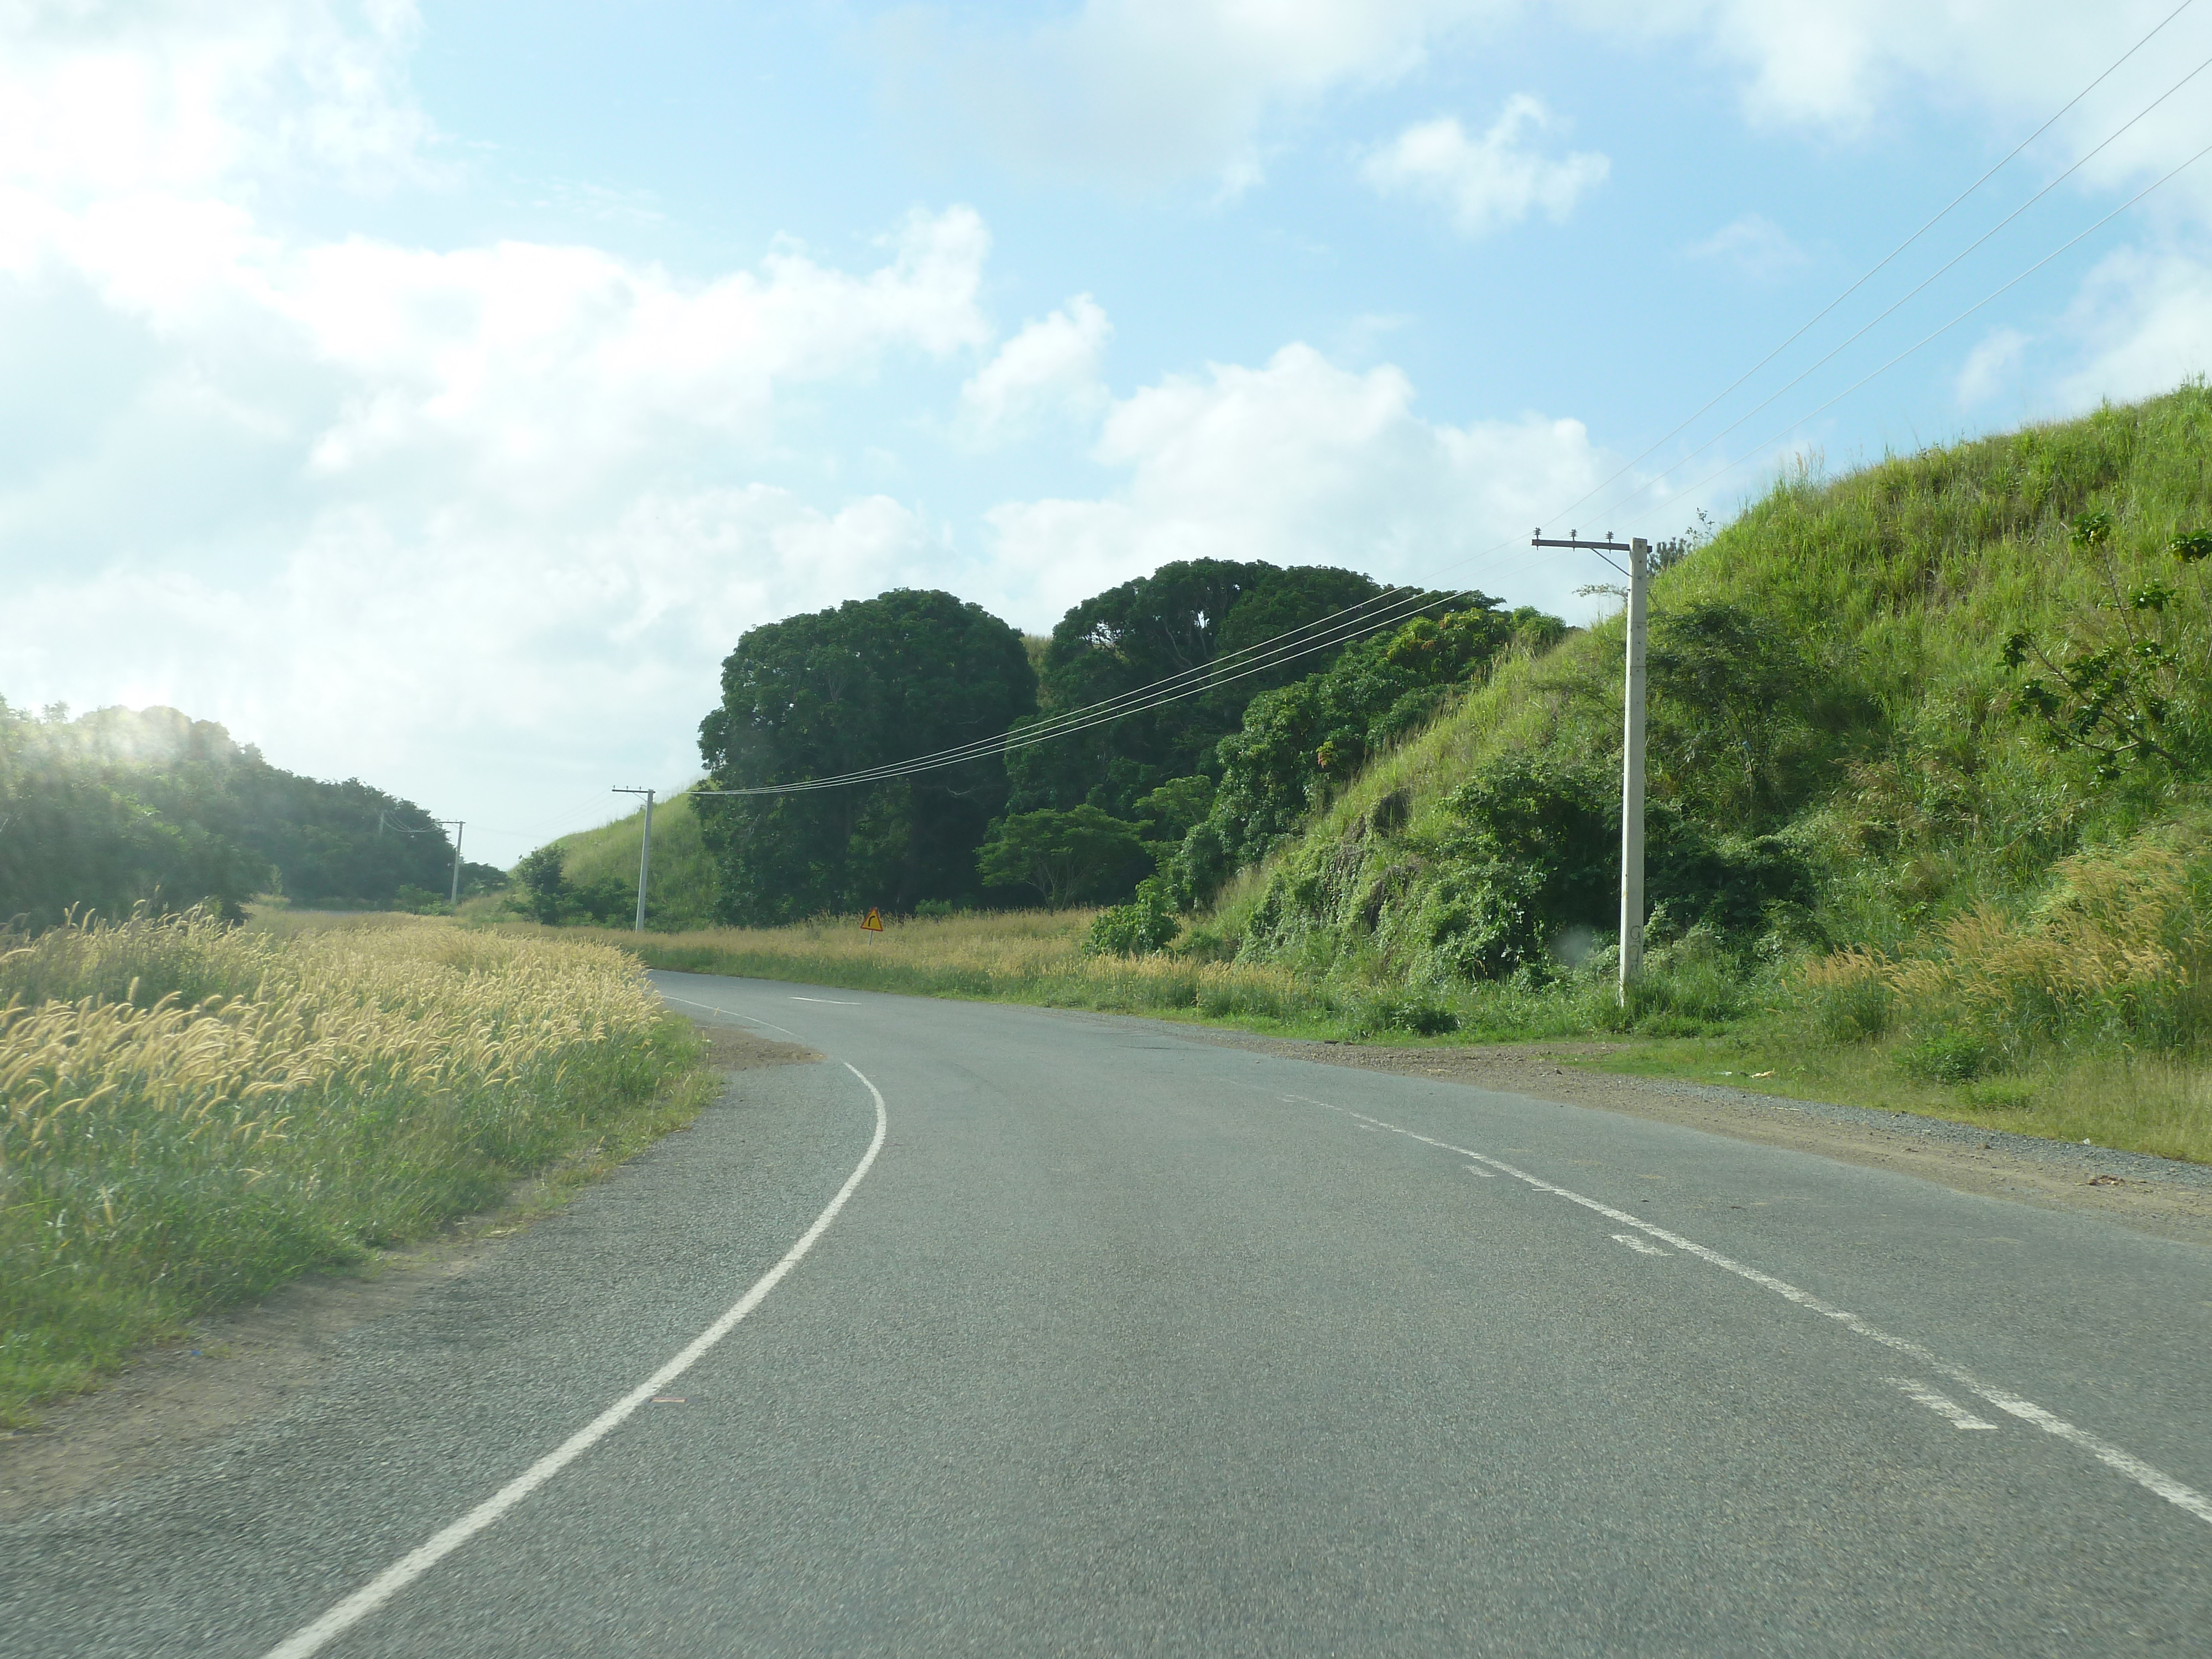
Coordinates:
x,y
1638,1245
2177,1493
1477,1169
1943,1405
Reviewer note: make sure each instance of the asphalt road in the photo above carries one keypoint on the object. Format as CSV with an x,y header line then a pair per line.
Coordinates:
x,y
1126,1344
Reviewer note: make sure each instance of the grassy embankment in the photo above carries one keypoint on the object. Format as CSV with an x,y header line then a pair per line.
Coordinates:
x,y
190,1115
1034,956
681,887
1993,933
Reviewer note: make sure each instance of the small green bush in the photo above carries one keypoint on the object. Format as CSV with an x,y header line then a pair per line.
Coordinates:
x,y
1145,924
1944,1057
1413,1014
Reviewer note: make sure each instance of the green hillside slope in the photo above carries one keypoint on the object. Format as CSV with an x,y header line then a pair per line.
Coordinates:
x,y
601,866
1846,784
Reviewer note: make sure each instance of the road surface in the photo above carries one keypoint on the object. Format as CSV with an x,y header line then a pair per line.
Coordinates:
x,y
1008,1331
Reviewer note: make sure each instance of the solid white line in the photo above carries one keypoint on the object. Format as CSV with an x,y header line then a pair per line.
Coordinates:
x,y
1637,1244
2176,1493
714,1008
412,1566
1943,1405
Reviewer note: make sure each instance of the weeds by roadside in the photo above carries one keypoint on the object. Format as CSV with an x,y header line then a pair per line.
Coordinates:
x,y
192,1114
2114,940
1031,956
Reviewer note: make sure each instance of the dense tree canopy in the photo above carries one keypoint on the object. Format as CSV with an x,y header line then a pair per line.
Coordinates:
x,y
1184,616
1301,741
1064,857
122,806
872,682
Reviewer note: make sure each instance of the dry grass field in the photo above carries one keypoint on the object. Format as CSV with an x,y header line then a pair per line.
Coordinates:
x,y
1021,955
192,1114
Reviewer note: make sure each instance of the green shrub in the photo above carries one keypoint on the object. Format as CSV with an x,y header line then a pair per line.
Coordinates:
x,y
1402,1013
1944,1057
1145,924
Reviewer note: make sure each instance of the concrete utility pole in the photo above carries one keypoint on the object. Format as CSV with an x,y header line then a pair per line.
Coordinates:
x,y
1631,771
645,852
458,825
1631,746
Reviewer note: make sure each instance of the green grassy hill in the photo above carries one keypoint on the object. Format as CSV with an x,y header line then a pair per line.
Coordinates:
x,y
682,894
1845,785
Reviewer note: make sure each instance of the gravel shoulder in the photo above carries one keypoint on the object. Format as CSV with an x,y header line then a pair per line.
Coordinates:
x,y
2162,1197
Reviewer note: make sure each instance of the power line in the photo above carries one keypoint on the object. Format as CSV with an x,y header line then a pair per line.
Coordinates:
x,y
1895,305
1319,634
1934,334
1246,660
1881,264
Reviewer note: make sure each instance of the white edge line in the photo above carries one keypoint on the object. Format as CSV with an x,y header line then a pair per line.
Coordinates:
x,y
416,1562
2177,1493
732,1013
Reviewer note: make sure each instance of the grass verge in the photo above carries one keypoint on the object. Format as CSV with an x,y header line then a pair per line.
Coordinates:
x,y
1032,956
191,1115
1697,1018
2140,1104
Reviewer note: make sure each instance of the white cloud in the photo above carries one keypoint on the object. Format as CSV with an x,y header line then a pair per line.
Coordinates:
x,y
1842,67
2143,321
1050,367
1145,92
1488,182
1989,366
1299,462
107,99
496,670
425,514
1754,245
549,366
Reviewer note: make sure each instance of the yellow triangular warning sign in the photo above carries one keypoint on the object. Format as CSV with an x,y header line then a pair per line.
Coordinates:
x,y
873,922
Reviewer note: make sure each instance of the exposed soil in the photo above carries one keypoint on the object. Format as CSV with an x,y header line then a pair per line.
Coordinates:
x,y
248,1362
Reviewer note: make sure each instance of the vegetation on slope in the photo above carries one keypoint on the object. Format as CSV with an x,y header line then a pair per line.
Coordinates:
x,y
590,876
192,1114
120,807
1871,809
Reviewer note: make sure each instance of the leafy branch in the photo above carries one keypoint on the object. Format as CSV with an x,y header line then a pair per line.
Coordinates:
x,y
2110,698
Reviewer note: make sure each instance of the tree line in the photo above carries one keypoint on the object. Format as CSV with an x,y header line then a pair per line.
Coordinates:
x,y
1177,795
121,807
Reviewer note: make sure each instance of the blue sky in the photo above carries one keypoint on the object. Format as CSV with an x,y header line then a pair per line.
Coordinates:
x,y
434,394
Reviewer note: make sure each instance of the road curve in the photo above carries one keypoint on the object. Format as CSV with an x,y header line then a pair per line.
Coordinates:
x,y
1103,1340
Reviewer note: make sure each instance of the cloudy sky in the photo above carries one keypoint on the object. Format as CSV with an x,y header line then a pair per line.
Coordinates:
x,y
434,394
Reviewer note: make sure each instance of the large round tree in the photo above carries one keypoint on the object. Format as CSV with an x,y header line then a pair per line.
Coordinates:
x,y
870,683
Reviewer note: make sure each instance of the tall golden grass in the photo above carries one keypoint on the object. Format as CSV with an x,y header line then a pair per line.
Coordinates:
x,y
1029,955
2115,952
192,1113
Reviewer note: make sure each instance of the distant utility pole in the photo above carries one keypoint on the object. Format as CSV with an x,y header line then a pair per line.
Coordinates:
x,y
644,852
1631,746
458,825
